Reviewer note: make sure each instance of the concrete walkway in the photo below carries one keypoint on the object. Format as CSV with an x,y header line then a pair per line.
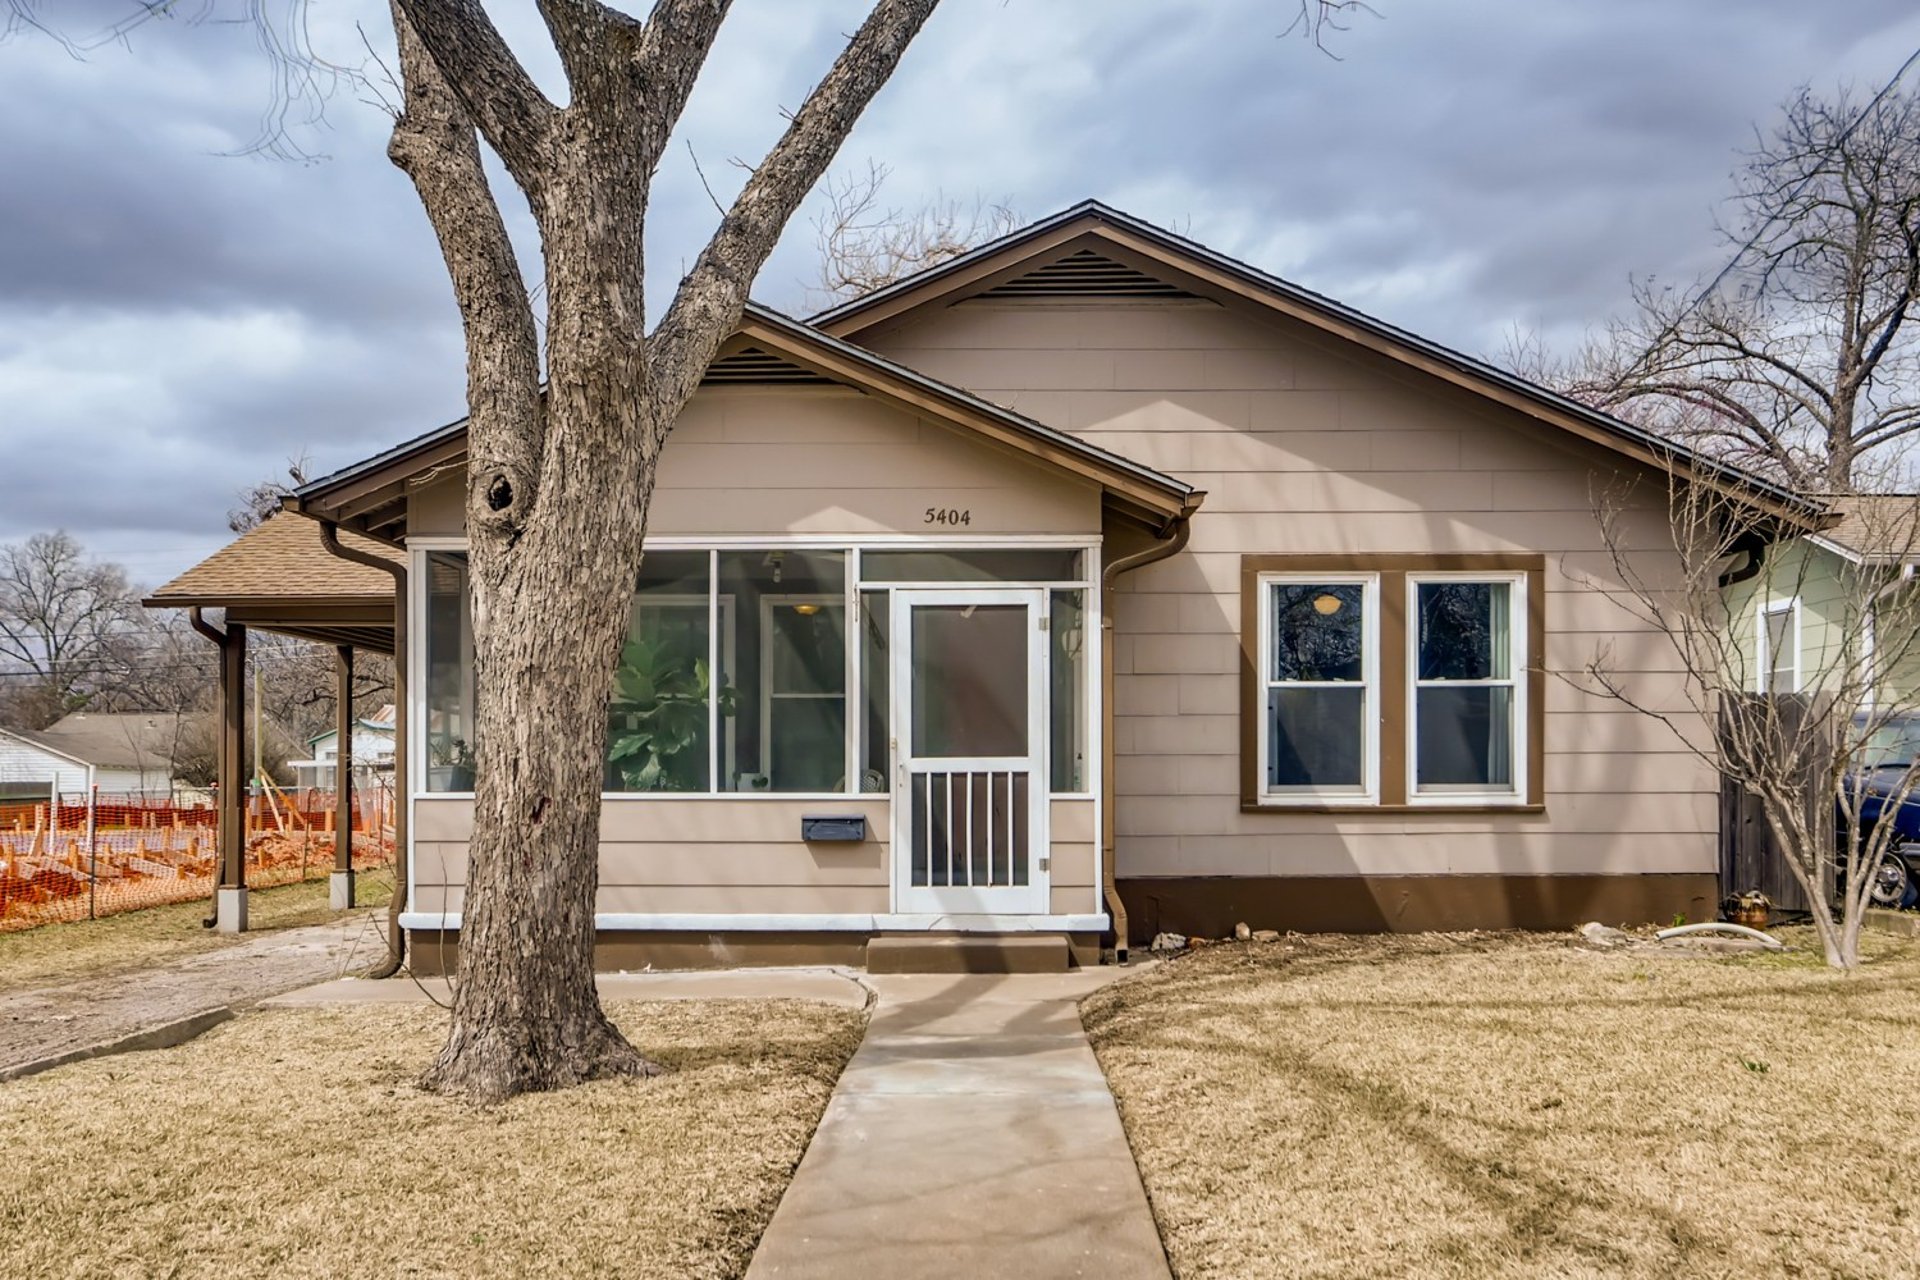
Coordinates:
x,y
972,1134
43,1026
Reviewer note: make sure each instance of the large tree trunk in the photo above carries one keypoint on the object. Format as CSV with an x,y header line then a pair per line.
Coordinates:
x,y
558,490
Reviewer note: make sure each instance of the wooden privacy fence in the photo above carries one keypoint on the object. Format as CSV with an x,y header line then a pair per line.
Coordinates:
x,y
1751,856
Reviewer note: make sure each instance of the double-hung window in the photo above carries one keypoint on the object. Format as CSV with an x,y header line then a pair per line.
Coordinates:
x,y
1392,682
1320,656
1466,708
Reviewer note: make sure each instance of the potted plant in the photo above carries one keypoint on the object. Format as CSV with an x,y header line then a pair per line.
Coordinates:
x,y
450,766
657,720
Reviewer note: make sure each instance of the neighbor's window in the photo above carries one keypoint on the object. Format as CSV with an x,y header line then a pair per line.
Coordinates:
x,y
1320,672
449,700
1466,693
1778,666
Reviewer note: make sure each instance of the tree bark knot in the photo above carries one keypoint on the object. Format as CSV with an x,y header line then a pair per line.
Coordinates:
x,y
500,499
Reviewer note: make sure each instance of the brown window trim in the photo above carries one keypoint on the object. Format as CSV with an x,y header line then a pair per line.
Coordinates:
x,y
1393,571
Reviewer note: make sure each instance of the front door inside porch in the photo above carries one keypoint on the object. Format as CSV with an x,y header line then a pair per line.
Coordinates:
x,y
970,742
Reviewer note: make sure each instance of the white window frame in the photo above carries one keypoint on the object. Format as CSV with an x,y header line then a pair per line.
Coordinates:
x,y
1368,793
768,697
1764,609
1518,607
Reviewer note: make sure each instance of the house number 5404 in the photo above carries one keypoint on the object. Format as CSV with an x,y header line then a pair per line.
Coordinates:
x,y
949,515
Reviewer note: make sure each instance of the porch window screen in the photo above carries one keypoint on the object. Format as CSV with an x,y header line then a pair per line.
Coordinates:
x,y
786,723
449,695
766,670
658,726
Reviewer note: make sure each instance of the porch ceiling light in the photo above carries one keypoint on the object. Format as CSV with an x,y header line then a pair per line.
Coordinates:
x,y
1326,604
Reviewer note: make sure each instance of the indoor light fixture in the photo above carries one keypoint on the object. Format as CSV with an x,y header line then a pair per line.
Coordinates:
x,y
806,610
1326,604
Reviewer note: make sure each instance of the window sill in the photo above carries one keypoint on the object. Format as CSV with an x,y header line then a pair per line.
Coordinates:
x,y
1401,810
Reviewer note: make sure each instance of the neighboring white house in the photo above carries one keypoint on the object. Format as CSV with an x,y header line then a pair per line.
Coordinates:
x,y
30,768
118,753
372,753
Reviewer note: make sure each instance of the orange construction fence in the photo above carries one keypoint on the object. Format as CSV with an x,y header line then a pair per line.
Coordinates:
x,y
73,857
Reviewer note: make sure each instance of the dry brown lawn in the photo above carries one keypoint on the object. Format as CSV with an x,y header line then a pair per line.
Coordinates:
x,y
1500,1105
293,1143
54,953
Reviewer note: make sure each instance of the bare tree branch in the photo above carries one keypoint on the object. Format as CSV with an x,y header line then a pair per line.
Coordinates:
x,y
713,295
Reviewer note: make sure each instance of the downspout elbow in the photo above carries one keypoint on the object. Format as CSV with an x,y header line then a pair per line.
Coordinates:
x,y
1755,547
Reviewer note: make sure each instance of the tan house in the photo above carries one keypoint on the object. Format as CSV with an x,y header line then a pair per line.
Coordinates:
x,y
1093,584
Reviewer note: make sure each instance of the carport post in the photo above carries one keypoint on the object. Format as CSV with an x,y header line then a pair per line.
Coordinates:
x,y
340,887
230,899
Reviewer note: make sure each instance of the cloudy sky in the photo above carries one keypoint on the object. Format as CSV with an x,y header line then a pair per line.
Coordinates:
x,y
178,317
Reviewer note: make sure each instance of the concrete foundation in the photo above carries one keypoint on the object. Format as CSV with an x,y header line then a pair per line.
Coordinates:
x,y
229,910
340,891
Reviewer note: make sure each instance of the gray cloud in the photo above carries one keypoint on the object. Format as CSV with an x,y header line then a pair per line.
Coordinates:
x,y
176,320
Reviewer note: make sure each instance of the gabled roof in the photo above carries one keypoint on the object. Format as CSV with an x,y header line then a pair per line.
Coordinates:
x,y
1878,528
112,740
1004,268
39,742
769,346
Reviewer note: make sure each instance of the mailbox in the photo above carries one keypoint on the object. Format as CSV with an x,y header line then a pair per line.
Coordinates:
x,y
830,827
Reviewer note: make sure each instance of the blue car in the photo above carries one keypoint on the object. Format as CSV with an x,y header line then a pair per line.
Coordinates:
x,y
1885,766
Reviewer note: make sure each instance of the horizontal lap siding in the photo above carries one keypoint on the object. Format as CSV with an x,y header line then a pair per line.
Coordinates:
x,y
1306,449
713,856
810,460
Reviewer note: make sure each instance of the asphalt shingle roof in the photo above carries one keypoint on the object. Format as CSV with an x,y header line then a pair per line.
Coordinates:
x,y
282,559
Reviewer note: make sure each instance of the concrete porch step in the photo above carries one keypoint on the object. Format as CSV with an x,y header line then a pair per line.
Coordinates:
x,y
969,953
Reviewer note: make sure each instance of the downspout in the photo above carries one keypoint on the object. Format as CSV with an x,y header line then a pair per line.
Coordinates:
x,y
199,623
1172,539
1756,548
403,781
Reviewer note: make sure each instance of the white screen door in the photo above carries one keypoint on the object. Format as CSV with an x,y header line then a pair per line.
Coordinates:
x,y
970,784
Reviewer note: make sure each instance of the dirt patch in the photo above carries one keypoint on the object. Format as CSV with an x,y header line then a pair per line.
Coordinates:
x,y
293,1143
1503,1105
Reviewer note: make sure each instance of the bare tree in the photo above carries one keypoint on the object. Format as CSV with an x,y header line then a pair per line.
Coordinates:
x,y
259,502
1797,673
866,245
64,623
560,476
1803,364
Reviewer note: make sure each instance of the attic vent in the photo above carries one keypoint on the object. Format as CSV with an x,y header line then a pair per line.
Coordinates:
x,y
755,365
1085,274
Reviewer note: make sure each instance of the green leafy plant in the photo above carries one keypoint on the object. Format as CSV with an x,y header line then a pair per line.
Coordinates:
x,y
657,721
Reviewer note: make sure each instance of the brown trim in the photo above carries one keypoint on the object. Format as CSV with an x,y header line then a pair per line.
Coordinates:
x,y
1157,502
1210,906
1395,674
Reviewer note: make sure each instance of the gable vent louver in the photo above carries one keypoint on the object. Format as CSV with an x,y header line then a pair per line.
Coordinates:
x,y
756,366
1085,274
